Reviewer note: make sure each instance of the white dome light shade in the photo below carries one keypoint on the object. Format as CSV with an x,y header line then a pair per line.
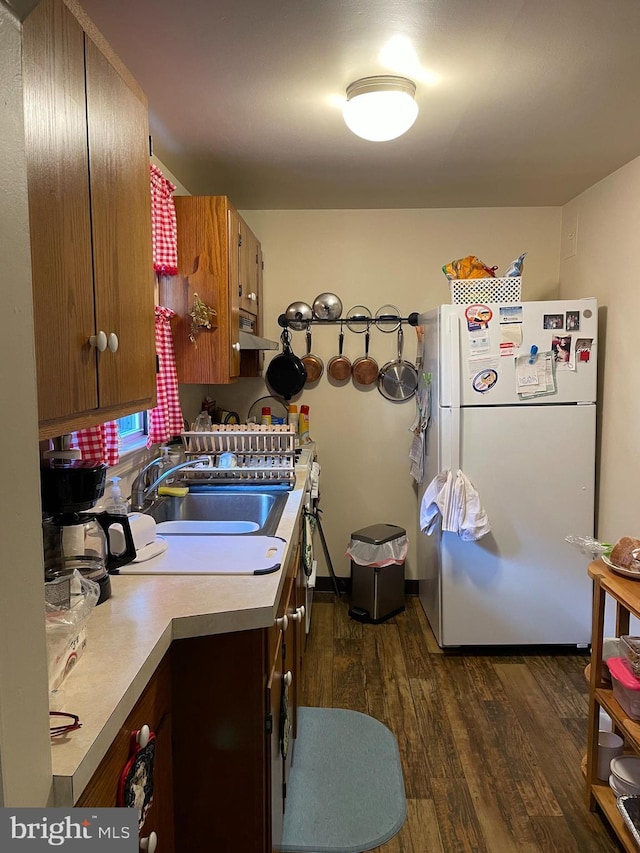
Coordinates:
x,y
380,108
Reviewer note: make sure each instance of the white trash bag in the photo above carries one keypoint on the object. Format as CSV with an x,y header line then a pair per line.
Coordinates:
x,y
393,552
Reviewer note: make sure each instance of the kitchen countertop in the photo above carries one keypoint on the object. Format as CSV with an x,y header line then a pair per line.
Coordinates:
x,y
128,635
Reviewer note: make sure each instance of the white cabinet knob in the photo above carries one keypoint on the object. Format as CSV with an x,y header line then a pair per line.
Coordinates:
x,y
143,736
287,678
283,622
149,843
98,341
236,346
112,341
298,616
253,297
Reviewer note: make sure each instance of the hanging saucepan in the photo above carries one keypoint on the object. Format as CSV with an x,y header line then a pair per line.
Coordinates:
x,y
327,306
365,368
398,379
298,314
312,363
339,367
286,373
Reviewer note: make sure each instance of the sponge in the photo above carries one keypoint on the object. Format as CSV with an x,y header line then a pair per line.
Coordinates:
x,y
174,491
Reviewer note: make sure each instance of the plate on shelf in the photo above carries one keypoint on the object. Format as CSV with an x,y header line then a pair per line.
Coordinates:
x,y
628,573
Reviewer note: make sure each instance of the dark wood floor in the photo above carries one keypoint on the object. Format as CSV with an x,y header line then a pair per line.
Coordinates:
x,y
491,745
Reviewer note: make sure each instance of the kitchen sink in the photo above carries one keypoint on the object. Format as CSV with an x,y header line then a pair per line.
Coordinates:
x,y
220,510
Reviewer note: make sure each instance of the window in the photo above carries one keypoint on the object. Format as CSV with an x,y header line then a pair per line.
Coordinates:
x,y
133,430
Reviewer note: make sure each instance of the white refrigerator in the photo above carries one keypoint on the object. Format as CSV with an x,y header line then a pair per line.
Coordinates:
x,y
512,405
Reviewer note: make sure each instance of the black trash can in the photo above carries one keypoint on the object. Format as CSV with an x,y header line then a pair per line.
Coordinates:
x,y
377,592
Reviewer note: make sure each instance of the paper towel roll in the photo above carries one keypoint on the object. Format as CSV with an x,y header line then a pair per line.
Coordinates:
x,y
143,530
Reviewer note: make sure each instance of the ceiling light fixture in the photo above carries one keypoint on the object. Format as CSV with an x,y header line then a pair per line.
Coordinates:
x,y
380,108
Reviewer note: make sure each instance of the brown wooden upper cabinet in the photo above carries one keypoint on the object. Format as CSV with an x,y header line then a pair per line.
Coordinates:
x,y
86,131
220,262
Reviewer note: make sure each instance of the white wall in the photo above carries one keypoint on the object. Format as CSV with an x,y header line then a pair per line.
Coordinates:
x,y
25,754
607,266
373,257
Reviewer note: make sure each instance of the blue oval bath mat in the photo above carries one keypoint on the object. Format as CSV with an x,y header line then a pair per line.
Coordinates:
x,y
345,792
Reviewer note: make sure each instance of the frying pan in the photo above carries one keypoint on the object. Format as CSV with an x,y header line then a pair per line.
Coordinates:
x,y
313,364
365,368
398,379
286,373
339,367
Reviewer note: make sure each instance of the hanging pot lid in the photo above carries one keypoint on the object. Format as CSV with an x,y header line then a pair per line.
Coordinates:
x,y
388,318
298,314
358,319
327,306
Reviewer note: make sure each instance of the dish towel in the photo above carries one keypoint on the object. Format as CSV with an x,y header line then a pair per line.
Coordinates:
x,y
456,500
165,421
99,443
164,229
308,525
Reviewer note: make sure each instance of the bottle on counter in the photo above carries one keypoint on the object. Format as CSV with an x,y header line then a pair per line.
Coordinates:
x,y
266,416
292,417
116,504
303,425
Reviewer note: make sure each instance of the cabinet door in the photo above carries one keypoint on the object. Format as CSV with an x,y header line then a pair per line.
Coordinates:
x,y
121,230
249,278
208,263
152,709
59,216
233,251
277,780
288,713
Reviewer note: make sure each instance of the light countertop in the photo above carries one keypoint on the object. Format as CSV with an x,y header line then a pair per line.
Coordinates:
x,y
128,635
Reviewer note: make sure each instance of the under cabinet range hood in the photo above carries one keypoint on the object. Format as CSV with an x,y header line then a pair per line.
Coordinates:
x,y
250,341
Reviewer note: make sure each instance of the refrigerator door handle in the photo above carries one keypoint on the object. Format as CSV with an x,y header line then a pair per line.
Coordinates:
x,y
454,395
454,376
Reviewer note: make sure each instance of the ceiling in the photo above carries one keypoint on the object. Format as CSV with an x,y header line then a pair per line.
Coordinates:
x,y
522,102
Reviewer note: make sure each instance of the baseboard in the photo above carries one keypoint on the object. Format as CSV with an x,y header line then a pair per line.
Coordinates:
x,y
325,584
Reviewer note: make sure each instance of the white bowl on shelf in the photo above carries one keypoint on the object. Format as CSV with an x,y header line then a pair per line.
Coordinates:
x,y
622,789
614,787
625,770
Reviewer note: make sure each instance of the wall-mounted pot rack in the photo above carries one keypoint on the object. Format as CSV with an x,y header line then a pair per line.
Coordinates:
x,y
357,319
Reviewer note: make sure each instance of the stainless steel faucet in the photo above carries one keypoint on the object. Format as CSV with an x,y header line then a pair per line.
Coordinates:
x,y
146,483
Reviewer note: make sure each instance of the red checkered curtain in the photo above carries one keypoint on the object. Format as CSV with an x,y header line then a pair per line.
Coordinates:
x,y
165,421
164,229
98,444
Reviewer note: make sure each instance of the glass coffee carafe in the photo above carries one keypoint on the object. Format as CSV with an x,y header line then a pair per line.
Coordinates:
x,y
75,539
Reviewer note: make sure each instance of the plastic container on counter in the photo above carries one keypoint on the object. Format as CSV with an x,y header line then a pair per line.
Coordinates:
x,y
626,687
266,416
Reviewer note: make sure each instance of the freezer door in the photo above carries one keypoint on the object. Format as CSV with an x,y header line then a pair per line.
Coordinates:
x,y
533,468
476,340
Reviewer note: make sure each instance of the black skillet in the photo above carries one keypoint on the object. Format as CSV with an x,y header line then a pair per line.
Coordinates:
x,y
286,373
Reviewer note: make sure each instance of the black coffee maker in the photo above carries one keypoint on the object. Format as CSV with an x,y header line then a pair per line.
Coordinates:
x,y
74,538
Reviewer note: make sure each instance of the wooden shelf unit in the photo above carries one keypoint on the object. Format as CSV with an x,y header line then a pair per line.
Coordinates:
x,y
626,593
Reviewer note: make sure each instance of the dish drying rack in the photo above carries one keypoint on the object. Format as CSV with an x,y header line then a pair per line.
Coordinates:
x,y
264,454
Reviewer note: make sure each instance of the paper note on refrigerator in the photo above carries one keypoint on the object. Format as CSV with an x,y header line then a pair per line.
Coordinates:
x,y
535,375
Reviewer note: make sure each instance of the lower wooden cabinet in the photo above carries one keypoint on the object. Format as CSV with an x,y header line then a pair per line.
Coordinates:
x,y
223,708
153,709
